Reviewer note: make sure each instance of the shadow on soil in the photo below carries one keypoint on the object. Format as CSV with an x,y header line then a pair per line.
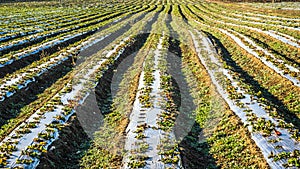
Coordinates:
x,y
194,153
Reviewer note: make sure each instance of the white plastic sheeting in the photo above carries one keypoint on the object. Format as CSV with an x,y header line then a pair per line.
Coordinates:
x,y
148,116
42,68
262,142
48,117
294,80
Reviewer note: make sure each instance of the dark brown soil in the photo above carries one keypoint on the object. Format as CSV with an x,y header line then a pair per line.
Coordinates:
x,y
67,151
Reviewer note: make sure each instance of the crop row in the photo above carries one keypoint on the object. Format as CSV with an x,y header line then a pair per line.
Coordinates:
x,y
237,75
57,23
83,23
115,122
267,108
288,87
136,143
23,75
212,112
59,107
51,45
85,43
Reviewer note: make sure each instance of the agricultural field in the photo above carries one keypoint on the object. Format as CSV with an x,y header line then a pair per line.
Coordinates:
x,y
149,84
